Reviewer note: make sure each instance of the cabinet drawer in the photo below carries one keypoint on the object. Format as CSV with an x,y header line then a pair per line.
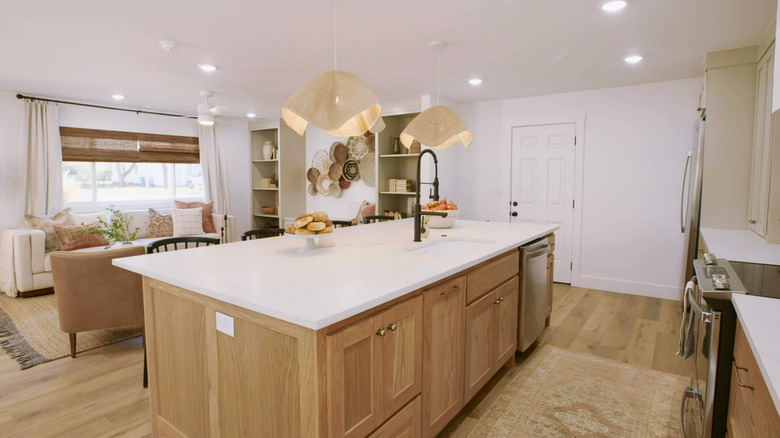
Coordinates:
x,y
491,274
752,399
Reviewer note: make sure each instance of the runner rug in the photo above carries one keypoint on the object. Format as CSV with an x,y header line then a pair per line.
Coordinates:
x,y
559,393
30,331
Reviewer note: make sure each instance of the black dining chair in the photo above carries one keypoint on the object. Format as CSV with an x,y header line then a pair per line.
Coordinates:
x,y
261,233
374,219
177,243
341,224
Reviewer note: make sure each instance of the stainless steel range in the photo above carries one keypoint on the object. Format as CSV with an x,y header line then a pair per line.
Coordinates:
x,y
710,349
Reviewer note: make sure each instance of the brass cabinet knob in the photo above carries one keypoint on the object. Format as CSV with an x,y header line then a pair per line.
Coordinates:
x,y
380,332
752,222
392,326
498,301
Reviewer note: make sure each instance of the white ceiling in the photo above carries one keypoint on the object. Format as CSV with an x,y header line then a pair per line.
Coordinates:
x,y
87,50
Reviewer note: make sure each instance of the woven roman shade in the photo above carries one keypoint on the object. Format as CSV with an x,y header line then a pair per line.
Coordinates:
x,y
79,144
438,127
337,102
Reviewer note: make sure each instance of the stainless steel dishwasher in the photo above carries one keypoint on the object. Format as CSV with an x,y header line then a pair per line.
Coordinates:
x,y
533,292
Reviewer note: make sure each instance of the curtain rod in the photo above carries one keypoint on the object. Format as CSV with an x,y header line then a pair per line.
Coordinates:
x,y
21,96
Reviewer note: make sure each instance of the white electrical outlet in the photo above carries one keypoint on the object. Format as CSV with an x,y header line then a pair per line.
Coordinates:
x,y
225,324
495,193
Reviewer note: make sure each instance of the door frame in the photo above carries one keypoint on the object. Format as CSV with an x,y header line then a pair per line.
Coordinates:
x,y
579,120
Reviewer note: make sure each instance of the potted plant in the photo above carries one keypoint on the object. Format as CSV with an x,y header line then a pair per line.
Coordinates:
x,y
117,230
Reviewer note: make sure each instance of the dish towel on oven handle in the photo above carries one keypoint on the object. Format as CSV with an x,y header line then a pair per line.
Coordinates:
x,y
687,327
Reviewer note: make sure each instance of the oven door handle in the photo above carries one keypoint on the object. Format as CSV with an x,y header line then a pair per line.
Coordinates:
x,y
690,393
704,316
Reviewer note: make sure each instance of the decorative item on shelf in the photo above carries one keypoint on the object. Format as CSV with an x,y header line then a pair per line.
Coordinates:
x,y
399,185
268,150
276,154
439,127
270,209
396,142
337,102
415,148
274,181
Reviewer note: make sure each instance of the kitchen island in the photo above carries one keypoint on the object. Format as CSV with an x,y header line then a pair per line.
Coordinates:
x,y
370,336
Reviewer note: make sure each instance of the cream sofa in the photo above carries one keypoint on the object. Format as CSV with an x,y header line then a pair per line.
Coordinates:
x,y
31,265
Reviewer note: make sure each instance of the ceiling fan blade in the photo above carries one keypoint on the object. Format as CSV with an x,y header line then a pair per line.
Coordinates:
x,y
217,110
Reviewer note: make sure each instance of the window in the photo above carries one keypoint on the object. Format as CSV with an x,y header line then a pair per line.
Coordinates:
x,y
125,167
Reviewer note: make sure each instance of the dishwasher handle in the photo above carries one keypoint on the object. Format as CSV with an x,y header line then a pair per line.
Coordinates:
x,y
541,250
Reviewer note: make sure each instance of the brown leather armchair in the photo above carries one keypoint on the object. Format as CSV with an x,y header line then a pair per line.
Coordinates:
x,y
93,294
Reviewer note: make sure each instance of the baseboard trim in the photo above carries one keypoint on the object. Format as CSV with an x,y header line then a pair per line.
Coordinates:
x,y
37,292
629,287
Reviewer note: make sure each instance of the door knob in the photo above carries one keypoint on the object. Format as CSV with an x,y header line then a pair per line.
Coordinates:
x,y
514,214
752,222
514,203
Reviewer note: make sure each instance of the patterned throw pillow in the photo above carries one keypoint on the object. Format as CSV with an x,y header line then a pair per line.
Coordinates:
x,y
187,221
76,237
45,223
160,225
208,225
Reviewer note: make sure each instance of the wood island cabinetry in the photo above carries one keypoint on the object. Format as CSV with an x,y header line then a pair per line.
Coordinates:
x,y
443,343
403,368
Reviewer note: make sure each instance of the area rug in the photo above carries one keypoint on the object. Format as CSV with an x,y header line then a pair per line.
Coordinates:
x,y
30,331
559,393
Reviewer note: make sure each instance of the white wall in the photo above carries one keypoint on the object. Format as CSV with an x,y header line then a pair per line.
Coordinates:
x,y
345,206
11,181
235,134
635,142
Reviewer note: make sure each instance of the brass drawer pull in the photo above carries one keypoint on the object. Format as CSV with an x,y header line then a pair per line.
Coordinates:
x,y
454,289
392,326
380,332
739,381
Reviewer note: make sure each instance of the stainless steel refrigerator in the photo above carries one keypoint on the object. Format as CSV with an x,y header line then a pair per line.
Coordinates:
x,y
690,199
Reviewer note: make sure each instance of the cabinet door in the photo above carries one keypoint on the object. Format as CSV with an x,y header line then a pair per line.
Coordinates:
x,y
402,359
355,391
762,146
479,344
405,424
505,322
443,345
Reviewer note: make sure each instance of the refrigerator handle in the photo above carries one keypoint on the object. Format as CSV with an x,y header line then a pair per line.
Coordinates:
x,y
682,195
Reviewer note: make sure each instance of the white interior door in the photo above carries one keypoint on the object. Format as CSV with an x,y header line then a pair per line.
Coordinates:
x,y
543,184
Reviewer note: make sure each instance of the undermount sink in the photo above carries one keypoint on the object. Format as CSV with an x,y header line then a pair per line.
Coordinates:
x,y
448,246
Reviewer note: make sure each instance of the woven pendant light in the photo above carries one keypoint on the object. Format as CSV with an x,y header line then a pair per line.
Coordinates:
x,y
438,127
337,102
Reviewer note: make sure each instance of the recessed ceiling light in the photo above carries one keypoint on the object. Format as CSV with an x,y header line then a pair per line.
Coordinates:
x,y
251,115
208,68
633,59
475,81
118,97
613,5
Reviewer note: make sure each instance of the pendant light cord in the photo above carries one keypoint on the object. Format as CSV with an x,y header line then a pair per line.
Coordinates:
x,y
437,75
335,39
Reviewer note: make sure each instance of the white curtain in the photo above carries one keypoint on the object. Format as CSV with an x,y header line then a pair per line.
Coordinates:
x,y
40,158
214,166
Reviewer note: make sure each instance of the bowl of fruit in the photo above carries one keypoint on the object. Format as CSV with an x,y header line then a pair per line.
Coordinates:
x,y
444,206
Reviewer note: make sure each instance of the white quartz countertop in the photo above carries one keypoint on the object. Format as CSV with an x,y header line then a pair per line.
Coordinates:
x,y
741,246
368,266
759,318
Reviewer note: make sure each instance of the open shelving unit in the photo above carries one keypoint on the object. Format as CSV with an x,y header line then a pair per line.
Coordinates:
x,y
394,166
287,169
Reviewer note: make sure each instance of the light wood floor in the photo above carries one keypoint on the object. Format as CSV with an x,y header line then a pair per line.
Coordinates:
x,y
99,393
